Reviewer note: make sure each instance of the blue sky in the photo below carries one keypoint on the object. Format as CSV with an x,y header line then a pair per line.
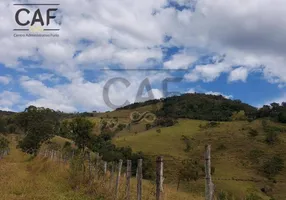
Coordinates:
x,y
236,50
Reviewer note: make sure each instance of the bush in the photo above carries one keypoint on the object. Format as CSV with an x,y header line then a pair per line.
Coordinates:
x,y
271,138
253,197
239,116
221,147
211,124
187,142
222,195
148,126
255,156
273,166
252,132
165,122
4,143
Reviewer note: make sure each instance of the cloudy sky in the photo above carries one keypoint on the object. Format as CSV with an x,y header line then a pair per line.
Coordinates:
x,y
235,48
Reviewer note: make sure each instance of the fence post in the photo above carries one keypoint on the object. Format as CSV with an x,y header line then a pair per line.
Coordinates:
x,y
118,179
159,178
97,165
209,185
139,179
111,174
105,168
128,178
55,156
89,165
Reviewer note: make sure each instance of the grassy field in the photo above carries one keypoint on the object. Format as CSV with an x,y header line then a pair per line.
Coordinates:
x,y
24,178
231,146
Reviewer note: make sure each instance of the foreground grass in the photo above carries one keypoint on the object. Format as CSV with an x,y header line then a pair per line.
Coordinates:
x,y
26,178
22,179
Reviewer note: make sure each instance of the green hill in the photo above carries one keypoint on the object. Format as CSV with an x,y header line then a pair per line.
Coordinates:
x,y
248,144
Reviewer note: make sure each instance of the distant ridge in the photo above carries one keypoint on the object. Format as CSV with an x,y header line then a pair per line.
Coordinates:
x,y
198,106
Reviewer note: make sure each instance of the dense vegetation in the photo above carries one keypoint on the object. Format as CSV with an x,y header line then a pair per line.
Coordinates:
x,y
203,107
212,108
38,125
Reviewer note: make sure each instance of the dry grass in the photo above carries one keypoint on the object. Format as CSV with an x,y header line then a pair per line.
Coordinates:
x,y
23,178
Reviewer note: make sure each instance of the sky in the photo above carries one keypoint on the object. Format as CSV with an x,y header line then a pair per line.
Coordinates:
x,y
114,52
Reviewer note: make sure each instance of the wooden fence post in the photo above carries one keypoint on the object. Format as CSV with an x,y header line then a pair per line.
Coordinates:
x,y
128,178
118,179
159,178
52,154
139,179
89,165
105,168
97,165
209,185
111,174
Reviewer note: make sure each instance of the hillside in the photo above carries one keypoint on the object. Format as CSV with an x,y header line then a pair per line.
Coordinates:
x,y
248,144
233,151
241,149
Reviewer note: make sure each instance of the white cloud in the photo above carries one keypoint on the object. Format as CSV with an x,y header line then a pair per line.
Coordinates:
x,y
180,61
207,73
5,80
200,90
48,77
238,74
5,109
84,95
9,99
130,34
218,93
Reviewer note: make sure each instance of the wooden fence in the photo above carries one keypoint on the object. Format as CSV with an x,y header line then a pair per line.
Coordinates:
x,y
103,166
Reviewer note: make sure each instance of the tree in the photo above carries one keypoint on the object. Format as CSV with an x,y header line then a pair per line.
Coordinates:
x,y
3,128
188,171
4,143
282,117
65,130
38,125
81,129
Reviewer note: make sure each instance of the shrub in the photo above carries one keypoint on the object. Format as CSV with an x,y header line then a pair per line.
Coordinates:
x,y
253,196
4,143
252,132
255,155
273,166
165,122
148,126
271,137
238,116
187,142
221,147
211,124
222,195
